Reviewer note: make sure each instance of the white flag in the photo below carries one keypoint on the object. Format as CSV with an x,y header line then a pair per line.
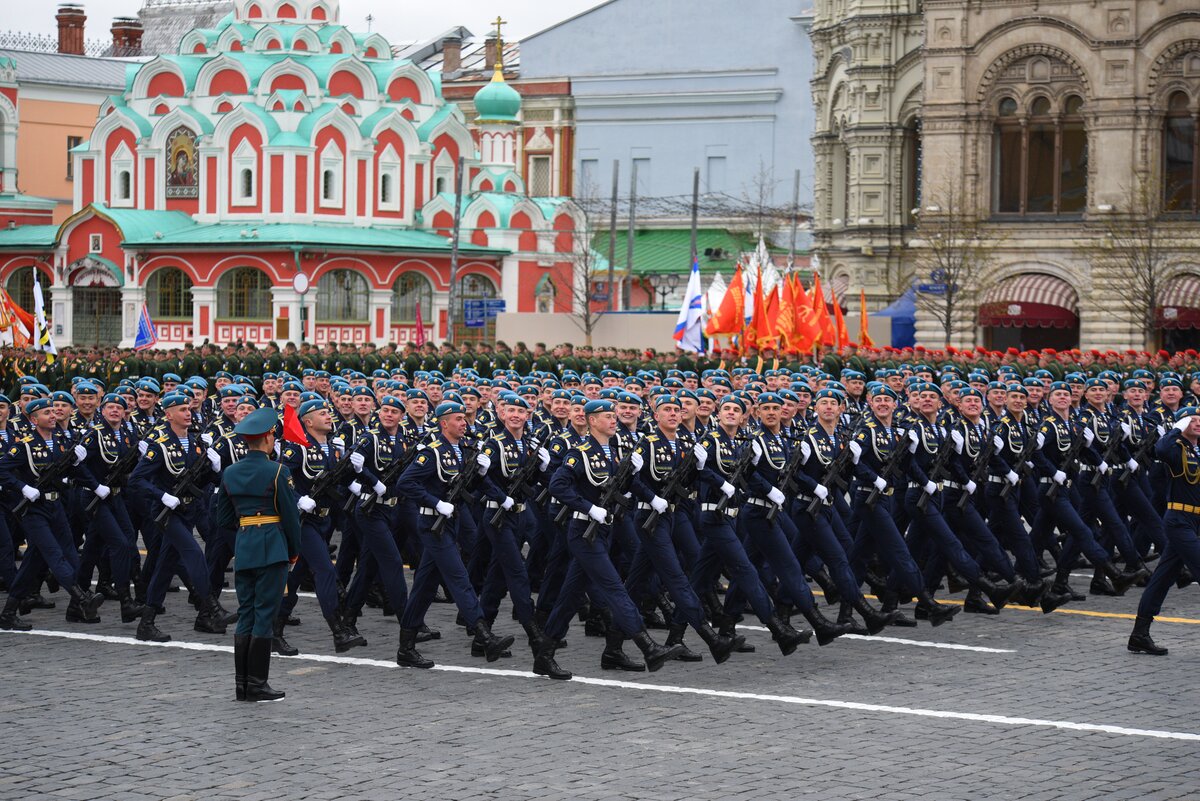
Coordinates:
x,y
689,328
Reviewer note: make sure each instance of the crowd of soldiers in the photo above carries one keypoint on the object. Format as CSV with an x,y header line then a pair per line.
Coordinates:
x,y
576,482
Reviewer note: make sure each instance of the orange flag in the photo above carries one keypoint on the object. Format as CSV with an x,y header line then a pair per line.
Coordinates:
x,y
825,325
769,336
806,329
785,325
758,323
839,322
864,336
730,316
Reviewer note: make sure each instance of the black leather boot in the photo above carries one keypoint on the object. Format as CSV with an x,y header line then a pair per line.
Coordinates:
x,y
10,620
1139,571
614,656
1062,584
976,604
544,664
675,637
227,617
846,618
1051,599
718,645
728,628
938,613
492,646
650,616
786,637
425,634
891,606
1185,578
208,619
147,631
1120,581
343,640
407,654
258,668
279,643
826,630
130,610
998,594
1100,585
1140,641
87,604
654,654
35,601
828,586
535,636
875,619
241,651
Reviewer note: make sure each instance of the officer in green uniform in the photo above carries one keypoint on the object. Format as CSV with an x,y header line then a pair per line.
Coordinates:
x,y
257,495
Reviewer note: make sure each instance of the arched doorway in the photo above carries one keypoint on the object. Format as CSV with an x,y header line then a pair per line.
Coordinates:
x,y
1178,314
95,301
1028,311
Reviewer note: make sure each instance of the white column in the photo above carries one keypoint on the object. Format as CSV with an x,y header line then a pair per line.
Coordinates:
x,y
510,282
380,299
204,296
441,302
60,308
284,297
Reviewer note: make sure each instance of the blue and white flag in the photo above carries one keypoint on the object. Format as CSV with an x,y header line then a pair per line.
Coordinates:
x,y
147,335
689,328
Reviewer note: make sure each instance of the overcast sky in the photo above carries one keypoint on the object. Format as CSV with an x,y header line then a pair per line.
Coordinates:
x,y
398,20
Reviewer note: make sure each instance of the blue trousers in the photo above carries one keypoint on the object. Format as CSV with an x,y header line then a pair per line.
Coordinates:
x,y
1182,549
980,542
929,529
507,568
314,558
591,567
1079,538
657,555
723,550
766,539
178,548
1133,501
557,561
380,559
440,554
877,531
8,554
50,544
817,536
1004,518
110,530
1098,506
259,593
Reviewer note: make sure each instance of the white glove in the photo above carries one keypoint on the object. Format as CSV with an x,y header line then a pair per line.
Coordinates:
x,y
776,497
637,461
805,452
659,504
143,446
80,453
508,503
306,504
357,460
170,501
971,487
913,439
338,442
444,509
1041,440
1059,477
1132,465
1161,429
214,459
701,455
207,439
102,491
957,438
880,484
757,451
278,448
1088,435
1183,424
820,491
379,489
356,488
1126,429
855,451
999,443
930,488
598,514
1102,467
1012,478
484,462
728,489
544,457
30,493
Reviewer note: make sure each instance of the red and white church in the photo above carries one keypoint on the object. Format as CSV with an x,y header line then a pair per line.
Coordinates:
x,y
283,178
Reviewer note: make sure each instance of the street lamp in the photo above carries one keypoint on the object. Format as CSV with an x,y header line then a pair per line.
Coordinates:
x,y
665,285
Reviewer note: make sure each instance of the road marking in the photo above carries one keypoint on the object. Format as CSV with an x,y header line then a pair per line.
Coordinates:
x,y
949,646
855,706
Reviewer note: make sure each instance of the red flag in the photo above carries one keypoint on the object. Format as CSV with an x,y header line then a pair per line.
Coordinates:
x,y
839,322
821,312
730,315
757,331
864,337
785,325
420,338
293,431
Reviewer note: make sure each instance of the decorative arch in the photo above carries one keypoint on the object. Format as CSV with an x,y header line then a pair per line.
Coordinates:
x,y
1163,65
352,77
244,293
222,75
412,287
169,293
431,273
213,275
304,36
299,73
419,80
989,79
151,70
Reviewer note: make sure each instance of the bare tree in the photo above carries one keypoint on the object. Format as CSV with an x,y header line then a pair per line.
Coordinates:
x,y
954,253
585,262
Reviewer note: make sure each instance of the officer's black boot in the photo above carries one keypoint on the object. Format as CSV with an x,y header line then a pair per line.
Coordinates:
x,y
728,628
493,646
828,586
407,654
537,637
87,605
1100,585
208,619
826,630
938,613
654,653
675,637
614,656
1139,571
227,617
279,643
258,668
1120,581
1140,641
786,637
10,620
241,651
1062,584
976,604
650,616
130,610
1185,578
596,623
343,640
544,664
104,585
147,631
998,594
890,605
1050,599
719,646
875,619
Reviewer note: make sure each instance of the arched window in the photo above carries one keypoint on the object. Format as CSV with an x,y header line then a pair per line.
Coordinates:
x,y
169,294
20,287
1181,155
342,297
410,289
1039,157
244,293
385,190
912,169
124,186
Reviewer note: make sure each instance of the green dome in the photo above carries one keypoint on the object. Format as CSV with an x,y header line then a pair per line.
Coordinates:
x,y
498,102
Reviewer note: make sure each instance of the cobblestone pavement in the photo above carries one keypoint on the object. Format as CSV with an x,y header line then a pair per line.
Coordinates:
x,y
1048,707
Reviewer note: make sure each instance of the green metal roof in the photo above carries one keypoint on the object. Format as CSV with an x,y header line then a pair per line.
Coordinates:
x,y
668,251
140,224
29,237
318,236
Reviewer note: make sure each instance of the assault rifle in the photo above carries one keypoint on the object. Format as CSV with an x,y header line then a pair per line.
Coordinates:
x,y
117,474
787,478
520,482
1110,451
49,478
1144,449
1068,463
185,485
937,468
459,488
680,478
980,472
614,495
737,476
833,473
899,448
332,478
389,477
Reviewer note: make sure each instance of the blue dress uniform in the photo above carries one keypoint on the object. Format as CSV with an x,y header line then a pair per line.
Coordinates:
x,y
44,521
426,480
556,555
1132,489
259,495
1181,457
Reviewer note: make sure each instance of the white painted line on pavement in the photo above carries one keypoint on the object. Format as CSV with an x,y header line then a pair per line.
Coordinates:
x,y
856,706
949,646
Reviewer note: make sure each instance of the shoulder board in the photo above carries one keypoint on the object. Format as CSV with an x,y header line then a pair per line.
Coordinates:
x,y
652,438
161,439
437,443
583,446
27,438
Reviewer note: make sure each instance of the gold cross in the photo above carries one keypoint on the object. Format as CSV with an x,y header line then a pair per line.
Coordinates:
x,y
499,23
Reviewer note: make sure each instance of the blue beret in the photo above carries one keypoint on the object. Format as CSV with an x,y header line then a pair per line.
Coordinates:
x,y
248,400
416,394
610,393
736,401
927,386
673,383
322,374
598,406
307,396
1019,389
832,394
1170,382
853,375
635,382
788,395
393,401
1032,382
1132,383
1060,386
224,374
511,399
629,397
801,388
1043,373
881,389
175,399
111,397
62,397
258,423
703,393
1092,383
231,391
449,407
36,404
292,386
722,382
26,379
578,399
665,400
312,406
148,385
560,394
173,377
87,388
1186,411
971,392
768,398
359,392
470,391
996,385
5,399
452,396
687,393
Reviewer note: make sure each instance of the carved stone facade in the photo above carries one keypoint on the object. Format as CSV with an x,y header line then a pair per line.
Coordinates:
x,y
1044,119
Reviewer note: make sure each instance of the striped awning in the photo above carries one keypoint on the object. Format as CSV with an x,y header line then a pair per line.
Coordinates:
x,y
1030,300
1180,304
